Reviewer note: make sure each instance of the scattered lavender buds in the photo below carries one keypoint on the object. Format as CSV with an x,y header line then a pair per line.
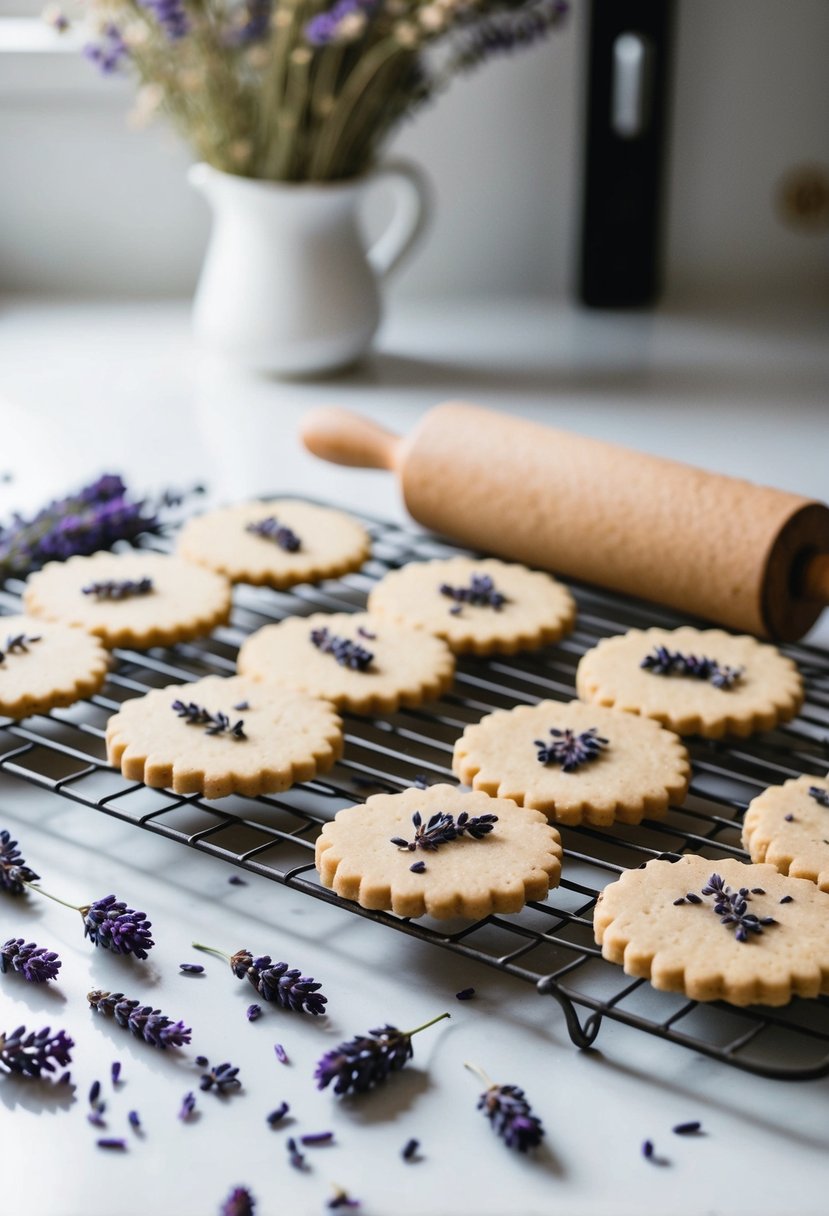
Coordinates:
x,y
14,873
141,1020
570,750
789,818
443,828
134,1120
409,1150
347,653
366,633
115,1072
253,1012
820,795
18,643
509,1112
36,964
242,705
110,924
188,1105
239,1202
359,1064
664,662
342,1199
418,867
112,1142
235,880
732,908
647,1149
313,1138
276,1116
687,1129
191,968
215,724
465,994
295,1157
281,1053
224,1078
786,899
119,589
30,1054
278,983
271,529
481,592
94,1092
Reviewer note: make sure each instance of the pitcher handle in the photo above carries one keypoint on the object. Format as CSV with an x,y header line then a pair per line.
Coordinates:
x,y
411,215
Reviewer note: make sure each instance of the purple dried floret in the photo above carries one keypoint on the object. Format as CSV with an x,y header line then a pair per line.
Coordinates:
x,y
359,1064
647,1149
134,1120
253,1012
409,1151
443,828
94,1092
110,924
481,592
14,873
342,1199
119,589
570,750
143,1021
235,880
280,984
465,994
271,529
224,1078
276,1116
687,1129
664,662
239,1202
347,653
281,1053
313,1138
418,867
33,1053
36,964
191,968
170,15
18,643
214,724
188,1105
112,1142
509,1112
295,1157
732,908
115,1072
820,795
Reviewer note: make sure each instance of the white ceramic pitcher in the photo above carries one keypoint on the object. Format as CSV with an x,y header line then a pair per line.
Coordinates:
x,y
287,285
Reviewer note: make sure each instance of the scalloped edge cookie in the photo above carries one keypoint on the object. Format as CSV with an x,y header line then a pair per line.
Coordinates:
x,y
641,772
72,665
769,692
684,947
538,609
798,847
520,860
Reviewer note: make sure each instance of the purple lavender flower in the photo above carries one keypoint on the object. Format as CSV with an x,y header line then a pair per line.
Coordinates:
x,y
443,828
107,55
239,1202
359,1064
36,964
347,653
143,1021
732,908
325,27
118,589
569,749
253,1012
223,1078
110,924
277,982
481,592
14,873
509,1112
257,23
214,724
170,15
34,1053
664,662
271,529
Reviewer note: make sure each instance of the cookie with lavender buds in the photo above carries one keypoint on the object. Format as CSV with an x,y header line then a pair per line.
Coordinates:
x,y
221,736
131,599
717,930
275,544
439,852
358,661
694,681
478,607
788,826
45,665
577,763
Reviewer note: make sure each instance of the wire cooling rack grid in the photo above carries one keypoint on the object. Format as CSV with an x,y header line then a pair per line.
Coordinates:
x,y
548,944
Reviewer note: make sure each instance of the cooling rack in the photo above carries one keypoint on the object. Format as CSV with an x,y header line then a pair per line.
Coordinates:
x,y
548,944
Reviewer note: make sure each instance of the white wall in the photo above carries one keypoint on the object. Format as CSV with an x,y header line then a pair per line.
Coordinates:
x,y
87,205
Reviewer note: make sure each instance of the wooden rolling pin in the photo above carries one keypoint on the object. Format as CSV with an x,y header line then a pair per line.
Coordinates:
x,y
748,557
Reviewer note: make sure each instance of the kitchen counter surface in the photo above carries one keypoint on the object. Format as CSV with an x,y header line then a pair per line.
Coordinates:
x,y
95,386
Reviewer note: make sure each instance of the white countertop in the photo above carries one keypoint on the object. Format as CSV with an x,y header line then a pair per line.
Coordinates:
x,y
95,386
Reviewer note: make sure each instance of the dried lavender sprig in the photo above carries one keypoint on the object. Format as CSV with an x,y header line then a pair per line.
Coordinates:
x,y
215,724
119,589
188,1105
442,828
271,529
36,964
14,873
664,662
571,750
239,1202
359,1064
110,924
481,592
509,1112
275,982
347,653
143,1021
820,795
732,908
33,1053
222,1077
18,643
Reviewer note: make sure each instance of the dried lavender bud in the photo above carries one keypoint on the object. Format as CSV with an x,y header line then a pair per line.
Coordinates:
x,y
789,818
481,592
276,1116
242,705
409,1151
18,643
214,724
112,1142
732,908
664,662
294,1155
509,1112
33,1053
191,968
115,1072
235,880
443,828
239,1202
253,1012
134,1120
141,1020
119,589
188,1105
687,1129
465,994
347,653
281,1053
359,1064
366,633
647,1149
342,1199
36,964
693,898
94,1092
96,1117
570,750
271,529
820,795
278,983
223,1077
312,1138
786,899
14,873
418,867
758,891
110,924
201,1061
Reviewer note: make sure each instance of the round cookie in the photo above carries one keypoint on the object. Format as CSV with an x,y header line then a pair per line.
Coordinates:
x,y
139,599
46,665
359,661
614,766
477,606
517,860
163,740
647,922
303,544
768,689
788,826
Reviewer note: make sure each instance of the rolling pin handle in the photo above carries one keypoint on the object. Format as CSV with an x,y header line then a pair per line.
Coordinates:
x,y
816,579
343,437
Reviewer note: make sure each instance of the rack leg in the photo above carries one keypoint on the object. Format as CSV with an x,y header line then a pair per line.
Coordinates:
x,y
582,1035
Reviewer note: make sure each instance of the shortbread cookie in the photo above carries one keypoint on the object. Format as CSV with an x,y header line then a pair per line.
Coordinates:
x,y
222,736
717,930
697,682
788,826
468,854
577,763
479,607
46,665
358,661
275,544
137,599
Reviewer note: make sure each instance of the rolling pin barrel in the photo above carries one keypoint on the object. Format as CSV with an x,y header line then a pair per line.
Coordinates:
x,y
746,556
